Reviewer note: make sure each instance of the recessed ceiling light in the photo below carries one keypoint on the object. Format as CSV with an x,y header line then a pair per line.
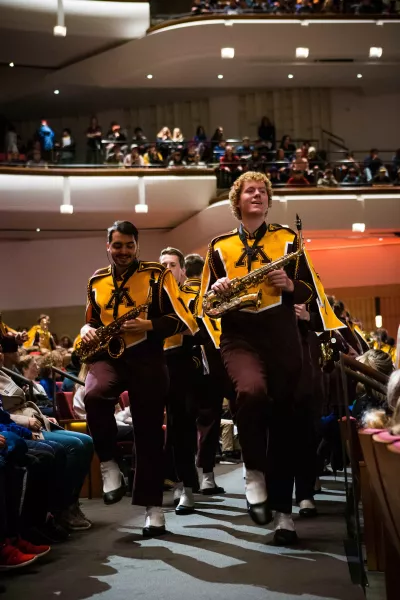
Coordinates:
x,y
60,31
381,239
66,209
149,76
308,240
375,52
227,52
141,208
38,229
378,321
290,76
359,76
56,92
11,64
358,227
220,76
302,52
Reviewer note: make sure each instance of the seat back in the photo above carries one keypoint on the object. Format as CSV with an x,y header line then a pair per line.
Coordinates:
x,y
64,406
124,400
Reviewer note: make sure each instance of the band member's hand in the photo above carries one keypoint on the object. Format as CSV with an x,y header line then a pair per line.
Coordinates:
x,y
137,325
89,334
301,312
280,280
221,286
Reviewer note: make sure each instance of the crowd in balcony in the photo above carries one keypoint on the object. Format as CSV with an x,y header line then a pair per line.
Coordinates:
x,y
237,7
286,162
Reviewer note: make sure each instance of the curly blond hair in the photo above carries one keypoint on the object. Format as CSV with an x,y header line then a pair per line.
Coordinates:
x,y
237,188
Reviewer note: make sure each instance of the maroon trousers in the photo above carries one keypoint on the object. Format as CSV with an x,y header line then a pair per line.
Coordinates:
x,y
141,371
263,358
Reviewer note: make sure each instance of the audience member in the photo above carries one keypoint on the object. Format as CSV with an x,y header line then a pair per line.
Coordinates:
x,y
177,159
299,163
382,177
46,138
298,179
244,151
372,163
287,146
328,179
94,136
66,148
266,133
134,159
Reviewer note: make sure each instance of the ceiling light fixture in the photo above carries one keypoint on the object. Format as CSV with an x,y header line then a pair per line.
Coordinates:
x,y
359,76
308,240
220,76
149,76
378,321
380,239
290,76
227,52
60,30
56,92
375,52
38,229
66,209
141,208
358,227
302,52
11,64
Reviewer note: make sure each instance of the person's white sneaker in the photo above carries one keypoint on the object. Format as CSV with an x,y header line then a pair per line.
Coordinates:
x,y
208,486
178,489
154,524
285,533
186,502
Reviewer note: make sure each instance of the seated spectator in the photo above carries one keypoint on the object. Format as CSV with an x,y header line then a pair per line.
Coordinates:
x,y
367,398
139,139
73,368
193,158
281,160
29,368
66,343
305,7
199,7
116,156
36,160
382,177
349,161
280,7
328,180
260,6
219,150
164,141
133,159
177,136
372,164
230,162
299,163
94,136
366,7
314,160
266,132
177,159
245,150
200,136
217,137
52,359
66,148
287,146
232,8
396,162
352,178
117,138
153,158
275,177
397,178
298,179
257,162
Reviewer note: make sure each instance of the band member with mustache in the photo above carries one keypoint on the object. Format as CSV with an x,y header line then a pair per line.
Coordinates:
x,y
261,348
141,370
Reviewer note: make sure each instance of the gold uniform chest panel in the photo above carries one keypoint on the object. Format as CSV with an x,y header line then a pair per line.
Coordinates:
x,y
176,341
272,246
133,293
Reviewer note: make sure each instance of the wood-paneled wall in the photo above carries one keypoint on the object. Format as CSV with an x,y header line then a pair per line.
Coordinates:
x,y
360,302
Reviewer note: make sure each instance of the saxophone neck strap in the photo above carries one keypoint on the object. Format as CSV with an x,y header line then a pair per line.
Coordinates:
x,y
250,250
118,288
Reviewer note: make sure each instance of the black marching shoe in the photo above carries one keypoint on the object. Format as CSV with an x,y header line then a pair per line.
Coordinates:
x,y
307,509
115,495
154,525
285,534
110,473
186,503
260,513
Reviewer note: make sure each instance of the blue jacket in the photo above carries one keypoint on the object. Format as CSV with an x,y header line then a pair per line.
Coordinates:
x,y
7,424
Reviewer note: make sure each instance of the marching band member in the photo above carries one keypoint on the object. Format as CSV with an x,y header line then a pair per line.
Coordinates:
x,y
261,348
39,335
112,292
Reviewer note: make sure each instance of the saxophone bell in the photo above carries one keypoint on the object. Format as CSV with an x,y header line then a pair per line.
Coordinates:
x,y
116,346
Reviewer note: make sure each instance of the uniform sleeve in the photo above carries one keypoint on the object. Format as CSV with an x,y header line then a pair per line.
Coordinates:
x,y
213,269
303,283
174,317
92,310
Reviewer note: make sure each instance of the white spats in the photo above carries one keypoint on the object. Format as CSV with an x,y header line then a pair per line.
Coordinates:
x,y
283,521
154,517
111,476
255,486
307,504
208,481
187,498
178,489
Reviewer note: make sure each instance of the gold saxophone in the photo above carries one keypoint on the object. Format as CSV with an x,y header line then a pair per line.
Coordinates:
x,y
108,338
217,305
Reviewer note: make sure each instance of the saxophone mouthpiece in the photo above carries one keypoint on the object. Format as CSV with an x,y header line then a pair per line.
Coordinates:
x,y
299,224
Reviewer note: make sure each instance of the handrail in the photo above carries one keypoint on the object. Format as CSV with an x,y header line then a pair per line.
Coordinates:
x,y
332,135
68,376
338,145
356,365
19,378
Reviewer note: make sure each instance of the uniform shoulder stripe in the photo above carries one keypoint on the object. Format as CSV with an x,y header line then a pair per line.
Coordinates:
x,y
147,265
101,273
223,236
277,226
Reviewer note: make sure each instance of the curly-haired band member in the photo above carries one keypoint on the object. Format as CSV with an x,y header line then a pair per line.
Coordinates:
x,y
261,349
